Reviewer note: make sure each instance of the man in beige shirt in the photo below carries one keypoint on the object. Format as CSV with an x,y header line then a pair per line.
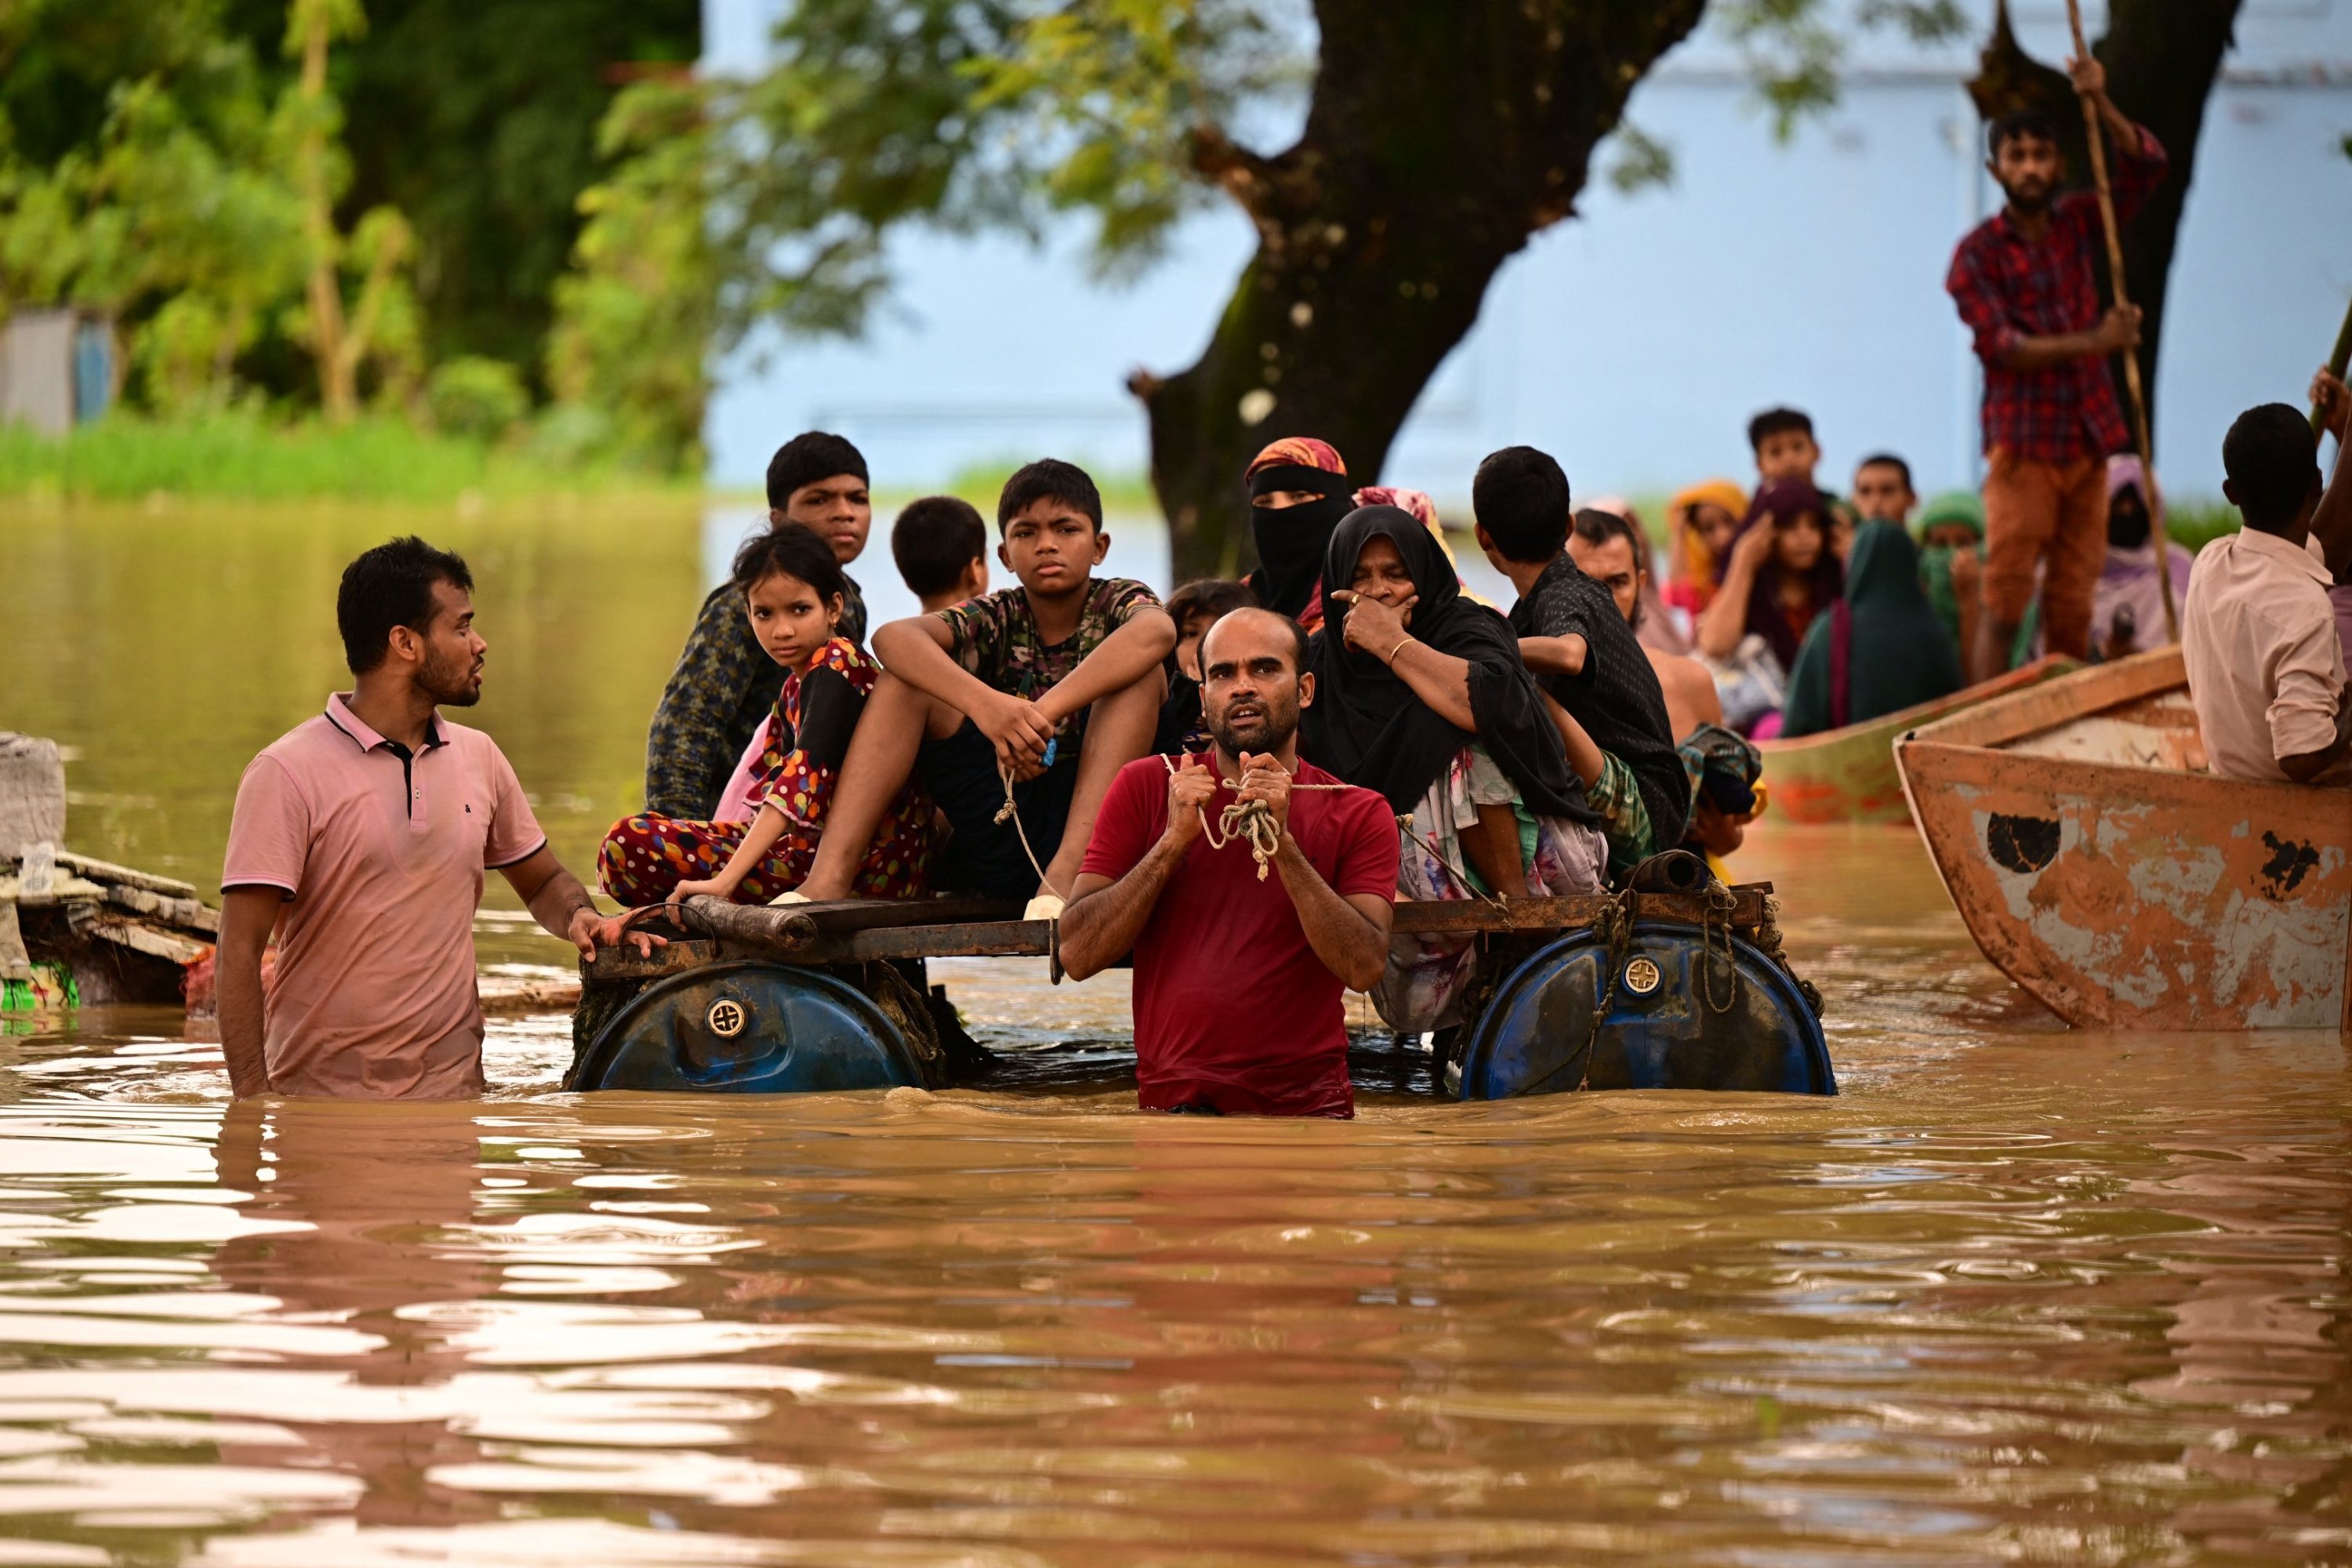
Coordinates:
x,y
2258,635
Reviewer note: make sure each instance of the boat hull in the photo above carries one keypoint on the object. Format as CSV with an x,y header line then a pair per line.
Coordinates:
x,y
2121,887
1848,774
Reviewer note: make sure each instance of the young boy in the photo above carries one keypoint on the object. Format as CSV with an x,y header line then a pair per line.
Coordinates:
x,y
1882,490
941,547
1584,655
2265,670
1783,440
1055,684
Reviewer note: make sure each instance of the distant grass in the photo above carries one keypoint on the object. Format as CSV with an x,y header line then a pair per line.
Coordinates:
x,y
244,456
2197,523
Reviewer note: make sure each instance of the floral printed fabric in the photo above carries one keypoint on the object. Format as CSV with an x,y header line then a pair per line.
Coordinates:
x,y
1427,973
723,689
644,857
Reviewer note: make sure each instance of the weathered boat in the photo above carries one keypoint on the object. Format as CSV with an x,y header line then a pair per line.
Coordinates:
x,y
1848,774
2098,865
1681,986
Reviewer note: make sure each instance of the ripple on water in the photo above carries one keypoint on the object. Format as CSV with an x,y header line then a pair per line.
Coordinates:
x,y
2017,1295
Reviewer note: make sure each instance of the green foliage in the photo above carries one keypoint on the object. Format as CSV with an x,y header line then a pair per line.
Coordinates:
x,y
480,120
634,317
1795,51
475,397
239,453
963,115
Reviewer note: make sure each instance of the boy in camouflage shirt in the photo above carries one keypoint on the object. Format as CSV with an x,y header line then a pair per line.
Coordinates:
x,y
1055,684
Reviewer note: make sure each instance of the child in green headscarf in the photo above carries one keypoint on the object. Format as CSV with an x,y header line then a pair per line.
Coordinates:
x,y
1952,559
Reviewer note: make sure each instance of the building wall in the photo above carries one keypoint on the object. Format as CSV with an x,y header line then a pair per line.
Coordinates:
x,y
1635,339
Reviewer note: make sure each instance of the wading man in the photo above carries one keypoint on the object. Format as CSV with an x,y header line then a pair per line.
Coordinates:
x,y
1238,981
361,838
2024,284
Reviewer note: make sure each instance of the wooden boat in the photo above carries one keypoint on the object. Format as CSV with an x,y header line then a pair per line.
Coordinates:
x,y
2099,866
1848,774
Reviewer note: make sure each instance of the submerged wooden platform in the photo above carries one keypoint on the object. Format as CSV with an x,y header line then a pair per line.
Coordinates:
x,y
865,931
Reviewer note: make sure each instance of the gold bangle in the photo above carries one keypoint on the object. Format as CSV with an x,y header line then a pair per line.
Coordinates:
x,y
1398,649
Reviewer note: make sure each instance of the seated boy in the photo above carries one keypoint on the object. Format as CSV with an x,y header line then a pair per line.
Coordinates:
x,y
1882,490
1055,684
1584,655
941,547
2265,670
1726,772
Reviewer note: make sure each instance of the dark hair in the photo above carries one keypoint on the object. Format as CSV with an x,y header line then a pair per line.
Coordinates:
x,y
1521,498
1597,527
790,550
1298,648
1776,422
2272,457
2020,122
934,540
1048,479
1887,460
392,585
810,455
1213,597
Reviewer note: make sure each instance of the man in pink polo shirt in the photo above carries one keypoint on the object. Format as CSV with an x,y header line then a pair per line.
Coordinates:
x,y
361,838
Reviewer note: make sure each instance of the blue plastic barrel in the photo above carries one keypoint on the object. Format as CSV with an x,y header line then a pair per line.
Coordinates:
x,y
746,1027
1681,1016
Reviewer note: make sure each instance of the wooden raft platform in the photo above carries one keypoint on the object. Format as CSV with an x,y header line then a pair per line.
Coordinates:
x,y
865,930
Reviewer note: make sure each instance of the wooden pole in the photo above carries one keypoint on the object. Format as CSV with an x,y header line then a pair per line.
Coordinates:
x,y
2131,358
2335,363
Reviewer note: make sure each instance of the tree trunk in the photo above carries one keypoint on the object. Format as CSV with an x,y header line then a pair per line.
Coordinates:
x,y
1379,229
2163,58
338,388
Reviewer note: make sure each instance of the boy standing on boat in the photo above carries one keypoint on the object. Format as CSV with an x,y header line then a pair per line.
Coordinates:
x,y
2258,632
1239,967
724,688
1037,694
361,837
2025,283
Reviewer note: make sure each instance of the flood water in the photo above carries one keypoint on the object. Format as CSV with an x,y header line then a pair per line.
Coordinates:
x,y
2017,1295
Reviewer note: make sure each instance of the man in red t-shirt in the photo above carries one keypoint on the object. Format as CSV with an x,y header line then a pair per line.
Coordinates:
x,y
1237,981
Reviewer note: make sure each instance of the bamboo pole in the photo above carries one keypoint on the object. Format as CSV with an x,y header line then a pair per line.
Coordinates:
x,y
2131,357
2335,363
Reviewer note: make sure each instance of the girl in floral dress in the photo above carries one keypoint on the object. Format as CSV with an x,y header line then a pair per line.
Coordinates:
x,y
793,593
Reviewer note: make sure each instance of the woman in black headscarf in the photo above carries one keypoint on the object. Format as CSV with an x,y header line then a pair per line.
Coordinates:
x,y
1420,695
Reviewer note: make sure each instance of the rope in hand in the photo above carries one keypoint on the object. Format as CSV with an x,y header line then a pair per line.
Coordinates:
x,y
1252,820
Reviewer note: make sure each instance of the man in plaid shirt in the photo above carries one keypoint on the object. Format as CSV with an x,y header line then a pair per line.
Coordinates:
x,y
2024,282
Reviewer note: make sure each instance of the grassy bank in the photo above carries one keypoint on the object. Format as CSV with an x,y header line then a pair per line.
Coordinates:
x,y
239,456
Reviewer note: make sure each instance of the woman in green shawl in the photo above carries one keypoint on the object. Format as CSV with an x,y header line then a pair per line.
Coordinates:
x,y
1952,559
1879,649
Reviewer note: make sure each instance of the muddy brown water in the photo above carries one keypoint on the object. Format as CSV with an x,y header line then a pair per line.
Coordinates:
x,y
2017,1295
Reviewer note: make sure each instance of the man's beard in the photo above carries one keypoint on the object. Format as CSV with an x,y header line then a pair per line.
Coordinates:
x,y
1274,732
450,684
2032,206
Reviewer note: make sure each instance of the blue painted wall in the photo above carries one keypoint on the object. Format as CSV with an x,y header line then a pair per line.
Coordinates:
x,y
1636,339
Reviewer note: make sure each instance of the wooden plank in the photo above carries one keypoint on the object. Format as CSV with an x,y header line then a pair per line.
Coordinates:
x,y
624,964
1579,909
984,938
125,877
188,914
